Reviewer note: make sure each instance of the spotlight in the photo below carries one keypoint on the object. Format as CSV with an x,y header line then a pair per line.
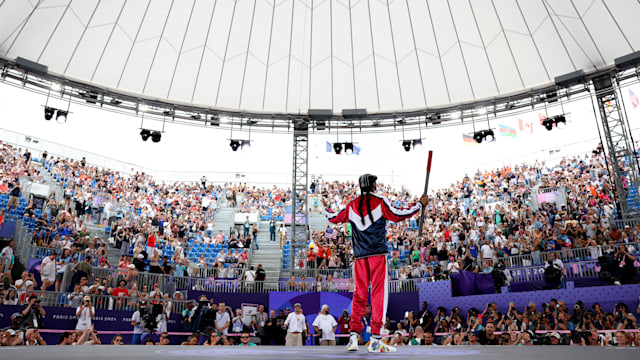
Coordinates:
x,y
478,136
62,114
215,120
48,112
348,148
548,124
145,134
561,121
406,144
155,136
245,145
337,147
489,135
417,144
235,144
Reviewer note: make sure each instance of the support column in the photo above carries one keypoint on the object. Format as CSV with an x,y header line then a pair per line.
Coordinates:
x,y
299,202
620,149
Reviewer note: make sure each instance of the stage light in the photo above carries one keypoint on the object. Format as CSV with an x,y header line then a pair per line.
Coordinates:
x,y
145,134
348,148
417,144
245,145
561,121
489,135
406,144
478,136
215,120
235,144
337,147
155,136
548,124
61,116
48,112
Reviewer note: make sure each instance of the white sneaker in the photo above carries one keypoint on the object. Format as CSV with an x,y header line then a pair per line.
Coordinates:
x,y
353,343
377,346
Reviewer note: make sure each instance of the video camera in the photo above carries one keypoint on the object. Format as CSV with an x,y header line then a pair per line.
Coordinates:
x,y
149,316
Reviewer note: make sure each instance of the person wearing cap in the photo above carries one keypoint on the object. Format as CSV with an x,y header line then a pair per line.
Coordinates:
x,y
368,215
14,328
554,338
325,326
472,337
85,313
295,325
33,313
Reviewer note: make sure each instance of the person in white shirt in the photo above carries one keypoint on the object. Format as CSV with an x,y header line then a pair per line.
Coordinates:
x,y
325,325
48,270
85,313
223,321
6,257
453,267
486,250
295,325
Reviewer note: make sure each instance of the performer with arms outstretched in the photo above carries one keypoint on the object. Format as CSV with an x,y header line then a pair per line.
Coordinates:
x,y
368,215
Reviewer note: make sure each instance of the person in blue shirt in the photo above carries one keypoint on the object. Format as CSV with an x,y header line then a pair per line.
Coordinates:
x,y
244,339
366,322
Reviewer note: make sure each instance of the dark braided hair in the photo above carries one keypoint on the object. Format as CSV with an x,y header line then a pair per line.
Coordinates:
x,y
365,192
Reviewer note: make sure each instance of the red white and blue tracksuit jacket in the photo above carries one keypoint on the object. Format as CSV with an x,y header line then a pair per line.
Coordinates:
x,y
368,238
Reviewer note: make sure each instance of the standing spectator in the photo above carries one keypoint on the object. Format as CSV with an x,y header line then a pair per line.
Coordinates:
x,y
325,326
626,263
14,199
283,235
425,317
295,325
246,227
85,314
223,320
6,256
272,230
48,270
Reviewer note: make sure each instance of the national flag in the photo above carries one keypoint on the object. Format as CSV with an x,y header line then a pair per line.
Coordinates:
x,y
634,99
329,147
525,125
507,131
469,140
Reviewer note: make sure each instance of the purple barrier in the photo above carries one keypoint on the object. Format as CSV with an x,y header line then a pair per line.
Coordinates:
x,y
7,229
235,300
439,294
64,318
468,283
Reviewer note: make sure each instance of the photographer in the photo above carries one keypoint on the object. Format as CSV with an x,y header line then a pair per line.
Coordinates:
x,y
85,313
325,326
144,321
343,323
33,314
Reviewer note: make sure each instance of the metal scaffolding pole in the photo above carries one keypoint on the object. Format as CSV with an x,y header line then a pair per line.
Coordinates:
x,y
620,149
299,203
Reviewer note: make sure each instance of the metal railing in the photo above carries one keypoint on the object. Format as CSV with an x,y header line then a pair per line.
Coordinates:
x,y
313,273
395,286
102,302
573,271
566,255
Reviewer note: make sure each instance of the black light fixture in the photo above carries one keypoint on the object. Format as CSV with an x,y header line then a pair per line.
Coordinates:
x,y
348,148
560,121
337,147
406,144
235,144
156,136
417,143
215,120
61,116
48,112
486,135
145,134
245,144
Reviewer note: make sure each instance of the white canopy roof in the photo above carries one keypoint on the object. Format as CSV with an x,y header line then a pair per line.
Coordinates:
x,y
292,55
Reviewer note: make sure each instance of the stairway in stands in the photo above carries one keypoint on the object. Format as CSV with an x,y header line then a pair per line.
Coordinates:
x,y
269,255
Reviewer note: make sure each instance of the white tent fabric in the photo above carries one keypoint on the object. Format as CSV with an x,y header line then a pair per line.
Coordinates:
x,y
292,55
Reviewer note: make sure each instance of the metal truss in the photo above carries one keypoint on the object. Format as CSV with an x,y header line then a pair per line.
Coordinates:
x,y
299,202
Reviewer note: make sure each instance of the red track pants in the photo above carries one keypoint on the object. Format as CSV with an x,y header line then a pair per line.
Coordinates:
x,y
370,270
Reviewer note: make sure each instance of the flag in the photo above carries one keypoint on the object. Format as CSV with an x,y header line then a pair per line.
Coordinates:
x,y
507,131
525,125
634,99
468,140
356,150
329,147
608,105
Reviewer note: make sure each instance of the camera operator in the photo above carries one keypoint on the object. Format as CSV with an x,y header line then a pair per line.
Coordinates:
x,y
325,326
85,313
501,276
144,322
33,314
554,272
